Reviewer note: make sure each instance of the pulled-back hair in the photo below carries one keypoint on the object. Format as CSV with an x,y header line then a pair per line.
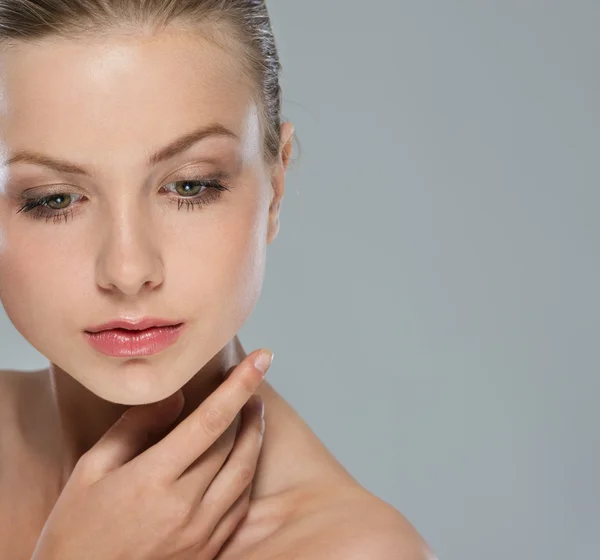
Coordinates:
x,y
242,27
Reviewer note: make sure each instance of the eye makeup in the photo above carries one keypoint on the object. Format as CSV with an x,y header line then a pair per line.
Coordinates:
x,y
60,205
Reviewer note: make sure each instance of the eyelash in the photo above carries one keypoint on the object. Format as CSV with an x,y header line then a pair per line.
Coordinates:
x,y
214,190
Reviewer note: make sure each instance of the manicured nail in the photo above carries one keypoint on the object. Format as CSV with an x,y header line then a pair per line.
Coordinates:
x,y
264,360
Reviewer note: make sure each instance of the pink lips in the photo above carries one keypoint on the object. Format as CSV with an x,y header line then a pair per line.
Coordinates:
x,y
136,325
119,342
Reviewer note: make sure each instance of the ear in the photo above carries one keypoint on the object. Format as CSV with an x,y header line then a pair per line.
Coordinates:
x,y
278,178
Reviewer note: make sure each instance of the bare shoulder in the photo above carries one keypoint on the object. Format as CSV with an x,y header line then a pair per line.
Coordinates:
x,y
18,390
360,526
8,420
349,524
12,384
9,380
23,493
9,397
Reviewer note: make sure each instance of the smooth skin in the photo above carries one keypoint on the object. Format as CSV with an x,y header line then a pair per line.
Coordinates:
x,y
126,248
176,499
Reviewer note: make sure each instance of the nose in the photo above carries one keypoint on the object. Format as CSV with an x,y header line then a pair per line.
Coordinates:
x,y
129,260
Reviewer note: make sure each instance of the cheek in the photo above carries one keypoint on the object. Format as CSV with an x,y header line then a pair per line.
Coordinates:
x,y
225,275
213,275
36,284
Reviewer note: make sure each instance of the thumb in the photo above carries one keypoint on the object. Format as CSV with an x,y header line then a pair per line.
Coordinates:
x,y
128,436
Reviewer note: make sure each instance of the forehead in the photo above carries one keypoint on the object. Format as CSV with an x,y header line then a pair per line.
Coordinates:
x,y
119,93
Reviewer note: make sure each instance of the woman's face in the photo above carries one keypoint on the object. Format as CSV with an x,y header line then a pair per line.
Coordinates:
x,y
125,239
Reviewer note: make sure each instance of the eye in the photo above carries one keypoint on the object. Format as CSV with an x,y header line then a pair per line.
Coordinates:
x,y
213,190
193,192
55,206
59,199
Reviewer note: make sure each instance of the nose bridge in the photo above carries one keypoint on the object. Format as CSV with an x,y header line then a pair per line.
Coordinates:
x,y
129,257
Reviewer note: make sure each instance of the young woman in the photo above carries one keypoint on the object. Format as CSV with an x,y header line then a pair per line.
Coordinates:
x,y
143,163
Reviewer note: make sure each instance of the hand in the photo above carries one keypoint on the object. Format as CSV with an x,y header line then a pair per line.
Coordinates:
x,y
180,498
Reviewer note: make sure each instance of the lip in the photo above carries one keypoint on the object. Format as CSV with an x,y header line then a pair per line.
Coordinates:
x,y
119,343
133,325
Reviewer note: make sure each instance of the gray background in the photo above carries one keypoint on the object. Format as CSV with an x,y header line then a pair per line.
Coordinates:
x,y
432,295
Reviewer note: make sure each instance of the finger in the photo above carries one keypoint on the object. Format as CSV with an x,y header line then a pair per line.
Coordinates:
x,y
127,437
250,421
235,475
191,485
229,522
211,461
172,455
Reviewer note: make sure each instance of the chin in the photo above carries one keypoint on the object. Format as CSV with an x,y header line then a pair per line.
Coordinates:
x,y
131,381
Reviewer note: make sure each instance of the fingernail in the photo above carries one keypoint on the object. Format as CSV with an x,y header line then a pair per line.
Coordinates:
x,y
264,360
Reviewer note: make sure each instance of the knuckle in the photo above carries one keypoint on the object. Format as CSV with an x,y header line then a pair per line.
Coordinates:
x,y
243,475
245,380
222,446
178,508
248,384
154,476
213,422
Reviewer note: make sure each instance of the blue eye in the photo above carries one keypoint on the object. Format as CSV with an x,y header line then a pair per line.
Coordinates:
x,y
46,207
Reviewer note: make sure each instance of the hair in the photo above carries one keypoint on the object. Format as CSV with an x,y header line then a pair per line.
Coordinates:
x,y
247,22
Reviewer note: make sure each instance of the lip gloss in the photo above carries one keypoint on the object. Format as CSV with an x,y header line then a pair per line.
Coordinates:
x,y
123,343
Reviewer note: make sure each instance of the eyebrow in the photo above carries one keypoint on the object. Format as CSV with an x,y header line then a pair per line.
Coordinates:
x,y
176,147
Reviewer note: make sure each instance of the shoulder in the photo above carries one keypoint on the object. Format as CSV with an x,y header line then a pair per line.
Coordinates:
x,y
9,381
8,416
20,393
13,384
367,527
352,524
